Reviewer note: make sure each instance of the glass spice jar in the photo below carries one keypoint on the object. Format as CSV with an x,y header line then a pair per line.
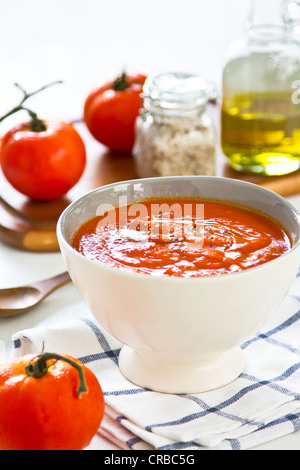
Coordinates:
x,y
174,134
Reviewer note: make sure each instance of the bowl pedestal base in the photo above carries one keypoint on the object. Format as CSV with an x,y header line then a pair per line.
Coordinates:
x,y
151,370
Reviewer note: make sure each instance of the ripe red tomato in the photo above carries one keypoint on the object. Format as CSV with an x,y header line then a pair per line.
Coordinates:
x,y
43,165
110,111
47,404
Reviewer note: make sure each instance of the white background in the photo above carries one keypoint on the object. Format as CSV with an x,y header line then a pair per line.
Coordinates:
x,y
85,41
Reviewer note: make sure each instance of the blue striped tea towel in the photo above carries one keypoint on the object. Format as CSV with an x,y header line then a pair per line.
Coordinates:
x,y
261,405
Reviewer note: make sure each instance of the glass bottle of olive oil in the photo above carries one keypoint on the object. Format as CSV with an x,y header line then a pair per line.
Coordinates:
x,y
260,119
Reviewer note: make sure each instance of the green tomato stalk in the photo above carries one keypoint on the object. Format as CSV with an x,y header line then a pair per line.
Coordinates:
x,y
36,124
39,367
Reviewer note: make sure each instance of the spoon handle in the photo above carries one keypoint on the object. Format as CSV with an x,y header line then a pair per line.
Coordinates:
x,y
48,286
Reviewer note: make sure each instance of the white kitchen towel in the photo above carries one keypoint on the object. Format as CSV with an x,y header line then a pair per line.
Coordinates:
x,y
261,405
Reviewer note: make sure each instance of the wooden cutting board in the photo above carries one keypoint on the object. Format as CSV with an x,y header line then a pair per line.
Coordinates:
x,y
32,226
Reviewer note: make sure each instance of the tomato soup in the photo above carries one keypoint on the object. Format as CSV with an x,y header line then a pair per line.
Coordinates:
x,y
182,238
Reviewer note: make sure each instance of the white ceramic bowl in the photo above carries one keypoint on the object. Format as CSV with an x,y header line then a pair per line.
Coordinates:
x,y
181,335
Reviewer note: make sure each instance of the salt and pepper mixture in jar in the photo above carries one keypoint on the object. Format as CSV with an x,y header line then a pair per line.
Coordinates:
x,y
175,136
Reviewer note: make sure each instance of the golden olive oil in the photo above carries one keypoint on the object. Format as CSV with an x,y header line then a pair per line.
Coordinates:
x,y
260,132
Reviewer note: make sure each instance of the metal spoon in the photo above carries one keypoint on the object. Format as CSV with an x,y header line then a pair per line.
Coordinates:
x,y
19,300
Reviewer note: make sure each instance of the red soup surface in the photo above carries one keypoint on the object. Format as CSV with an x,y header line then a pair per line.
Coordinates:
x,y
183,238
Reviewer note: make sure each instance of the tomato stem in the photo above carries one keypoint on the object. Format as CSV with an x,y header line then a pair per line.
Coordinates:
x,y
36,124
121,83
39,368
